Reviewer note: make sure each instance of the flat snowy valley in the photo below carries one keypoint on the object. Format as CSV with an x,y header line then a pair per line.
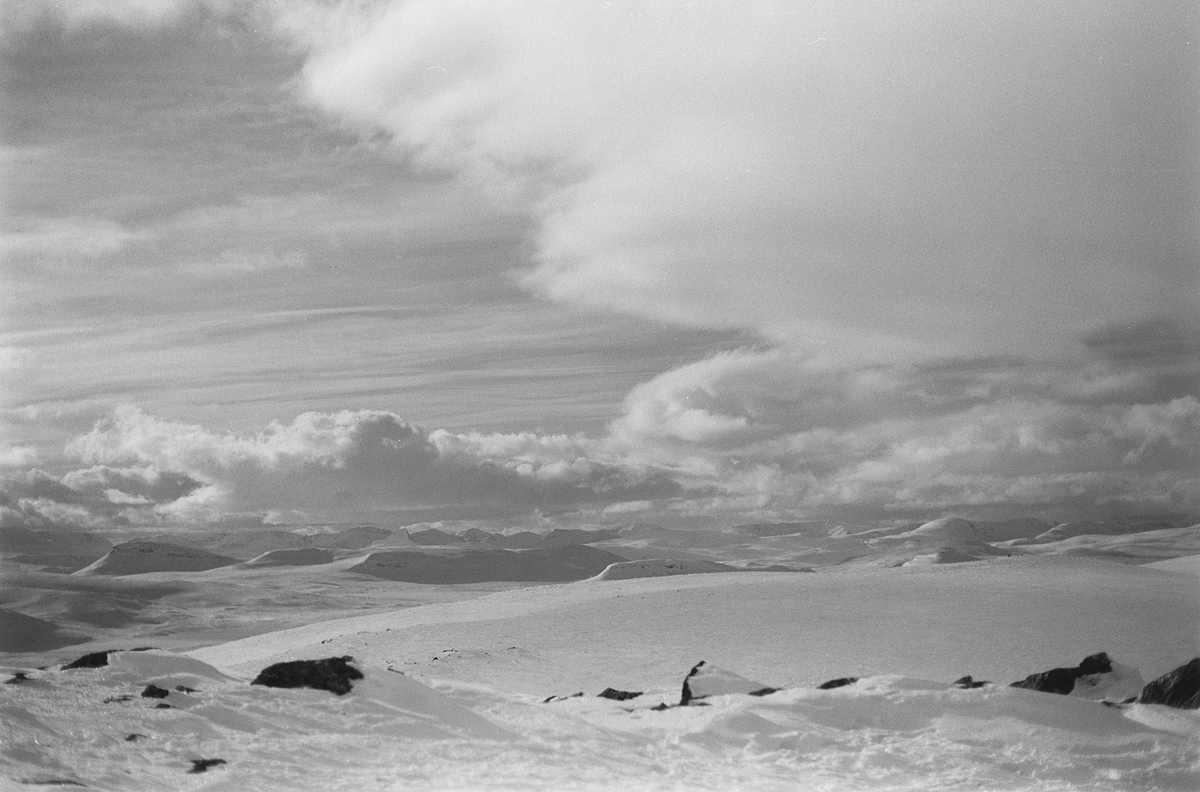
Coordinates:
x,y
477,680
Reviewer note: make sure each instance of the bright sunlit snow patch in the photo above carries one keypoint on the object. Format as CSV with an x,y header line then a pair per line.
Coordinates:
x,y
91,726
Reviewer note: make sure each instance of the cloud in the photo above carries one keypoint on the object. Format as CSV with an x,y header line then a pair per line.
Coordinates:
x,y
70,238
802,434
230,263
22,14
904,178
355,460
98,496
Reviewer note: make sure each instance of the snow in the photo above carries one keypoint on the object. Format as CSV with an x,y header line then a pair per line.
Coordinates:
x,y
393,732
659,567
138,557
456,677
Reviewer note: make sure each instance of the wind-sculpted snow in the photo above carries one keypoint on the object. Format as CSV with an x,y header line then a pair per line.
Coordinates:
x,y
95,729
660,567
551,565
478,662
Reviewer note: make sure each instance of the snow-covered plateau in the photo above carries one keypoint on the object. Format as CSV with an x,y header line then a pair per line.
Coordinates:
x,y
495,684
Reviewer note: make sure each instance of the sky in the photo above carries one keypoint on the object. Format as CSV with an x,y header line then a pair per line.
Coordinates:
x,y
688,262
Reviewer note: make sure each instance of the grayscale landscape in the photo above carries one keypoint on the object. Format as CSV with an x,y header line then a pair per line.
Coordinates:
x,y
450,395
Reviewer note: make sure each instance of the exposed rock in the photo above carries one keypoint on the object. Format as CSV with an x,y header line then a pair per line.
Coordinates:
x,y
99,659
1122,682
618,695
93,660
202,765
837,683
163,705
1062,680
967,683
135,737
185,689
333,674
1179,688
17,678
550,699
117,699
706,680
154,691
764,691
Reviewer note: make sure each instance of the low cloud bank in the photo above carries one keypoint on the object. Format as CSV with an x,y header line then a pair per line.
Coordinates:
x,y
762,434
145,470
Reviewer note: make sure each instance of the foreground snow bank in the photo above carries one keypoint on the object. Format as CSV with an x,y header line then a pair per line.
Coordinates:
x,y
91,727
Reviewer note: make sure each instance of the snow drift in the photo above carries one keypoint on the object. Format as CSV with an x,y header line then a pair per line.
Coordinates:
x,y
150,719
660,567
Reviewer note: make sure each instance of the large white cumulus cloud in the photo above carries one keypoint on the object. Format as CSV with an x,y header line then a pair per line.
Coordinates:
x,y
922,176
357,461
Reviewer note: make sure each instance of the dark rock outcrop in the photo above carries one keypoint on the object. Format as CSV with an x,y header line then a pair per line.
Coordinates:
x,y
967,683
100,659
334,674
202,765
837,683
551,699
618,695
1179,688
154,691
93,660
1062,680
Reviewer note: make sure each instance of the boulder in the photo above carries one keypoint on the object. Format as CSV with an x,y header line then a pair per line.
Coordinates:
x,y
1179,688
93,660
202,765
1097,677
333,674
706,680
968,683
837,683
618,695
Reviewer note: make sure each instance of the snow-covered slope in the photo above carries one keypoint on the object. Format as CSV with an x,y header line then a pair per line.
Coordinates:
x,y
548,565
139,557
300,557
1135,548
659,567
155,721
